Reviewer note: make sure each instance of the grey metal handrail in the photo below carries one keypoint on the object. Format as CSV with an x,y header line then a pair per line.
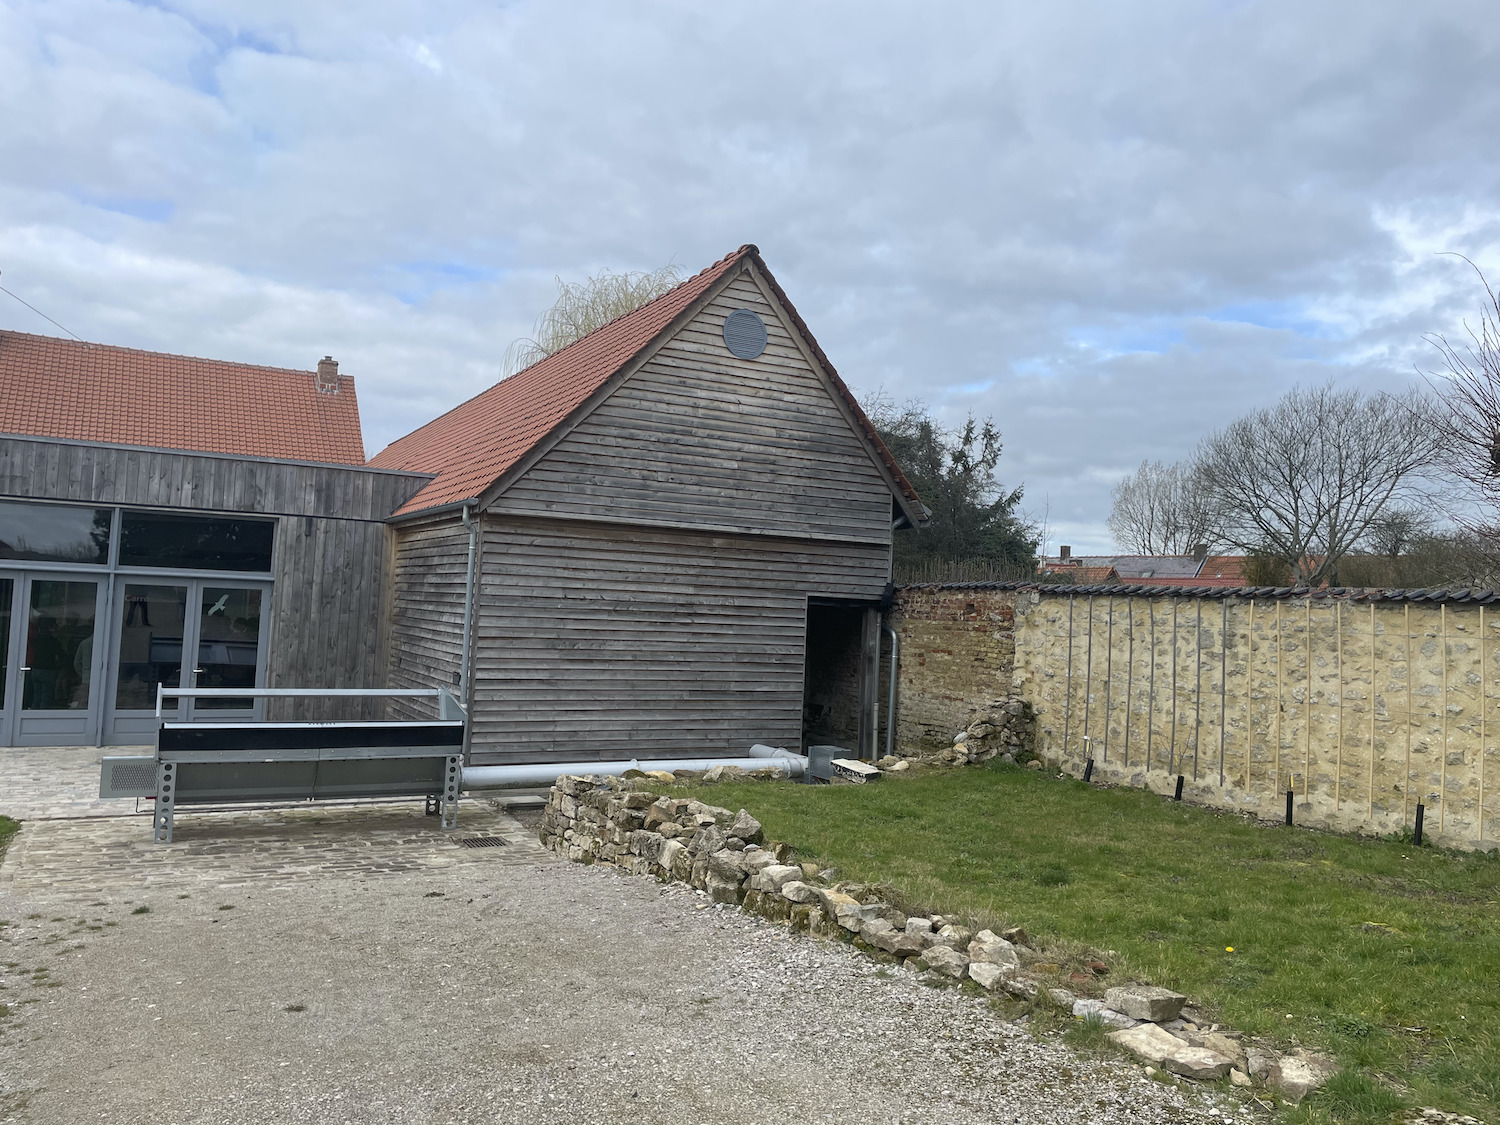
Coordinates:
x,y
442,695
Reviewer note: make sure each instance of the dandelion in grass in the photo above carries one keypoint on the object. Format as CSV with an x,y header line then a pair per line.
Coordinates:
x,y
1229,949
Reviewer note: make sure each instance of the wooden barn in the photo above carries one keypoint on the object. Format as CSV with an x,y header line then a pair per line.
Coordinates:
x,y
671,538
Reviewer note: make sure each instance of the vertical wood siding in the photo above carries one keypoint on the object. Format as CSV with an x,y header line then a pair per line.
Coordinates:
x,y
597,642
326,615
43,469
699,437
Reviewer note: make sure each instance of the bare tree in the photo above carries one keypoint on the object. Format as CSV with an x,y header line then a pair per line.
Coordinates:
x,y
1161,509
1467,413
1395,530
1304,480
581,308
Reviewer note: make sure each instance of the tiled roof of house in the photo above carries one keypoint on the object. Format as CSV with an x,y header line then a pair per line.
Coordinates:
x,y
1154,570
1092,575
1452,595
477,442
1129,566
123,396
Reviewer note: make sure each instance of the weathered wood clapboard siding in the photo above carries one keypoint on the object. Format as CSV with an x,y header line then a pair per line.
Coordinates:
x,y
595,641
698,437
329,563
54,469
427,609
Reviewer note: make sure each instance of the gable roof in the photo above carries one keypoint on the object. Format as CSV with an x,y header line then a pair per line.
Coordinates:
x,y
68,389
478,442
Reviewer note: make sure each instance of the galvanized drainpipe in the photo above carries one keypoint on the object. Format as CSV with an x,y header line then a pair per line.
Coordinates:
x,y
890,702
464,661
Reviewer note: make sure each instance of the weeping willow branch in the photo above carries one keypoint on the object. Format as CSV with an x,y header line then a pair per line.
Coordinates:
x,y
583,307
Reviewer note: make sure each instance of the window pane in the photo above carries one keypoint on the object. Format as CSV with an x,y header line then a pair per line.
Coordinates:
x,y
59,646
195,542
52,533
228,644
150,645
7,592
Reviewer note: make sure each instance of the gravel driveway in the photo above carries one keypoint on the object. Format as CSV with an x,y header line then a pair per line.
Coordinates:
x,y
356,965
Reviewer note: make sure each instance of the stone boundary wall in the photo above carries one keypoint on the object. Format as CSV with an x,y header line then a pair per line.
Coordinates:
x,y
724,854
1361,707
957,652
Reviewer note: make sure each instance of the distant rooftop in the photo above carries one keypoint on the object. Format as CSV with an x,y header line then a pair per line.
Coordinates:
x,y
78,391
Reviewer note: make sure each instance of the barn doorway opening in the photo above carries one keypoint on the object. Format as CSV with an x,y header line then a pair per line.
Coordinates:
x,y
834,692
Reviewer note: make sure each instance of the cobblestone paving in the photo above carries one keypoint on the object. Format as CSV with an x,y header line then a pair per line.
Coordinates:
x,y
79,859
47,782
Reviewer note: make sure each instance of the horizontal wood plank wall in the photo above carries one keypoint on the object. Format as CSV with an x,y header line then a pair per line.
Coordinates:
x,y
597,642
326,616
427,610
698,437
45,469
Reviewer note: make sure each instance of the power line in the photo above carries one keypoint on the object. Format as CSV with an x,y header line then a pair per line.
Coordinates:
x,y
41,314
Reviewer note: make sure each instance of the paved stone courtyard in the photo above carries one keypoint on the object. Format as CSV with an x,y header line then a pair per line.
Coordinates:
x,y
355,964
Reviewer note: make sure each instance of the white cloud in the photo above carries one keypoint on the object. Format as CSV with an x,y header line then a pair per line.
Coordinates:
x,y
1112,227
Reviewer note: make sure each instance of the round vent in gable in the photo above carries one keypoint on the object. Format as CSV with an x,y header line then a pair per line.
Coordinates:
x,y
744,333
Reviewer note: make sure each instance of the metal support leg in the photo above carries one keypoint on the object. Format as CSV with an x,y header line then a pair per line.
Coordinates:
x,y
452,779
166,801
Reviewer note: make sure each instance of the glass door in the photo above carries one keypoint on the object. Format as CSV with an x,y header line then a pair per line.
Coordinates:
x,y
229,648
58,703
152,625
160,626
7,707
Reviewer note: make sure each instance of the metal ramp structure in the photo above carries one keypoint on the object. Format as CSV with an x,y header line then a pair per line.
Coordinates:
x,y
234,762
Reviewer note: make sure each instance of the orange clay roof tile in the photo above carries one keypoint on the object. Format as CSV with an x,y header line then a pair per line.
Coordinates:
x,y
123,396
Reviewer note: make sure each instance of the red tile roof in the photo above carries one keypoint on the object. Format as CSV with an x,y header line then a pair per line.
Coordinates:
x,y
477,442
123,396
1216,570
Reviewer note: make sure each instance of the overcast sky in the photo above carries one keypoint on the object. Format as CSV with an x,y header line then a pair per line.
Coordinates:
x,y
1111,226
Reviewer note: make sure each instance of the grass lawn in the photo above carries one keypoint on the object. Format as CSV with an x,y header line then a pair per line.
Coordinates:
x,y
1171,889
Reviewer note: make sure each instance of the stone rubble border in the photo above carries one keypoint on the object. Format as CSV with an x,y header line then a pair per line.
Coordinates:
x,y
621,822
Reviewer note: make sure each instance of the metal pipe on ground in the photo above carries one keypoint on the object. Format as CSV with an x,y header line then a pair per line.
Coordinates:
x,y
545,773
890,701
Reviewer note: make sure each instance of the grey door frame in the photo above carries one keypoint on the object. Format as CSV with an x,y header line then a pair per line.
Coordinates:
x,y
85,720
133,727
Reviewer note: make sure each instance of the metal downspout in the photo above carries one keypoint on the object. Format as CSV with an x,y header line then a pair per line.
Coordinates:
x,y
890,702
465,658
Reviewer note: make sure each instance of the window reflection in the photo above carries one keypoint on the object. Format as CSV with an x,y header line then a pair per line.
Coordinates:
x,y
151,631
7,592
59,646
228,643
54,533
195,542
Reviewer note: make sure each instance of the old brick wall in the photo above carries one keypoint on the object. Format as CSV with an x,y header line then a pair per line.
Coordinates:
x,y
957,653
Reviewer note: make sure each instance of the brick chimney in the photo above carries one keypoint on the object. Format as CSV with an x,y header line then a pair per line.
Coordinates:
x,y
1200,551
327,379
1064,553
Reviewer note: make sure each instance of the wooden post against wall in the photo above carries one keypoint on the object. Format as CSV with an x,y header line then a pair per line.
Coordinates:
x,y
869,683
